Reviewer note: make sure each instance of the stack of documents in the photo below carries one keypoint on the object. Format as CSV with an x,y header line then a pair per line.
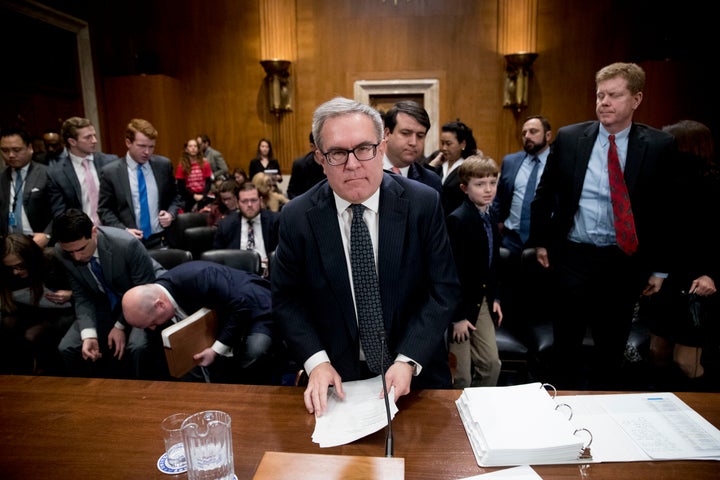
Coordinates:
x,y
361,413
525,425
518,425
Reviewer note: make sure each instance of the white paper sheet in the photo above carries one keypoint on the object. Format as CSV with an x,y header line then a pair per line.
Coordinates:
x,y
360,414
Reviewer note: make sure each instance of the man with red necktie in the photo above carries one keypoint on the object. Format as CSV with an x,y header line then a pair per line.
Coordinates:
x,y
598,223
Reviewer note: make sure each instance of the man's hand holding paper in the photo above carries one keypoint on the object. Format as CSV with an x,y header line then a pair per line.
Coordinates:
x,y
360,413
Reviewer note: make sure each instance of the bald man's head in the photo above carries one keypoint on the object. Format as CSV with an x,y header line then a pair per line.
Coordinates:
x,y
147,306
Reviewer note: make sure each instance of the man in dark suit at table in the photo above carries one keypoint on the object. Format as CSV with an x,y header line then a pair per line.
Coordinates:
x,y
74,179
241,300
406,126
604,249
102,263
139,193
413,293
24,199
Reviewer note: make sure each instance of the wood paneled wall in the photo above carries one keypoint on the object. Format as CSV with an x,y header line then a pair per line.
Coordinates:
x,y
212,52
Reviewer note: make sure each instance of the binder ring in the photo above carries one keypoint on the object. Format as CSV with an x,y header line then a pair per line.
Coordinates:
x,y
589,435
569,410
554,394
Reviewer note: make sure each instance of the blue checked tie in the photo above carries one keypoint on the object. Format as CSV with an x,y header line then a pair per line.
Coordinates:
x,y
97,270
485,216
367,291
527,200
145,224
17,206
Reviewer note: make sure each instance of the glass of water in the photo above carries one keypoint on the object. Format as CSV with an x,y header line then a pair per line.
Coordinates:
x,y
172,435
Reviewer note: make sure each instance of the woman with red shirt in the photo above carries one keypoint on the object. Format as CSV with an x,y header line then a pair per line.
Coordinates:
x,y
194,177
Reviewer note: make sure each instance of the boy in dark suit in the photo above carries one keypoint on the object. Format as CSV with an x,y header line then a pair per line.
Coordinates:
x,y
475,243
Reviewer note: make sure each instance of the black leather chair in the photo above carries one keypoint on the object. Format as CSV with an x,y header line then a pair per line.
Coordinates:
x,y
247,260
170,257
176,234
199,240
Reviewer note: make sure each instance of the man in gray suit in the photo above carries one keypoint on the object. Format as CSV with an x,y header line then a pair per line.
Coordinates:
x,y
123,183
24,201
74,180
214,158
102,263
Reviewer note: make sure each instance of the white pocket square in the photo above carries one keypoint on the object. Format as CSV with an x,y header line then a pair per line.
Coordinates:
x,y
34,190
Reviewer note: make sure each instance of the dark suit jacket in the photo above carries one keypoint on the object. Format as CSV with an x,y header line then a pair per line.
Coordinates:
x,y
506,185
451,196
64,187
469,242
115,205
651,154
238,297
125,263
35,198
425,175
228,230
256,167
305,173
312,299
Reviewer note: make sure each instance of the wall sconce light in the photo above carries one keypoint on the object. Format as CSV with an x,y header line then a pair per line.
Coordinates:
x,y
517,73
278,85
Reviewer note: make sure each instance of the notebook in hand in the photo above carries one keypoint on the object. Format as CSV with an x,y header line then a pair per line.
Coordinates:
x,y
188,337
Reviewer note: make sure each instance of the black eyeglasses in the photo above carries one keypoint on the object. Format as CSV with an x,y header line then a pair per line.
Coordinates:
x,y
339,156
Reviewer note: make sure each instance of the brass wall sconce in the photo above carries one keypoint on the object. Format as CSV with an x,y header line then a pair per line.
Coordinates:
x,y
517,74
278,85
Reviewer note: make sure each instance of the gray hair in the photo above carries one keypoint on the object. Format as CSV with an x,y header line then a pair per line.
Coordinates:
x,y
340,106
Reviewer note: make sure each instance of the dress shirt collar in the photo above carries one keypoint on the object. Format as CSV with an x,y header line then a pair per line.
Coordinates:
x,y
387,165
621,136
179,312
135,165
79,160
372,203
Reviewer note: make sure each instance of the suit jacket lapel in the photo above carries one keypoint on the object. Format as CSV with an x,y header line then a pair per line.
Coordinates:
x,y
635,157
582,159
392,230
324,224
122,174
69,171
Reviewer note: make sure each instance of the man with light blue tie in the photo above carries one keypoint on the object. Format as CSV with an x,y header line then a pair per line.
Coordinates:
x,y
139,192
24,200
524,298
519,178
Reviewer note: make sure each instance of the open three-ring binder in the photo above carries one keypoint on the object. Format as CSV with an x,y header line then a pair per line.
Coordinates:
x,y
529,425
521,425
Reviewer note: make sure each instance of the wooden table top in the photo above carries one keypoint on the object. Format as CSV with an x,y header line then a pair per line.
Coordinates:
x,y
72,428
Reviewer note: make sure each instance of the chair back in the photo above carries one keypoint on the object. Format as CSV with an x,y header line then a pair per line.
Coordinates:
x,y
199,239
247,260
183,221
170,257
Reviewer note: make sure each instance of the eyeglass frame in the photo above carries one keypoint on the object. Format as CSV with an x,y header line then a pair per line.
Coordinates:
x,y
347,152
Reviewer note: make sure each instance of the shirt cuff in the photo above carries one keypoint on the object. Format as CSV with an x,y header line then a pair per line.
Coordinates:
x,y
315,360
86,333
417,368
119,326
222,349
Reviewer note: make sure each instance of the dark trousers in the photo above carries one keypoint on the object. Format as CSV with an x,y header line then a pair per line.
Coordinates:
x,y
595,287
